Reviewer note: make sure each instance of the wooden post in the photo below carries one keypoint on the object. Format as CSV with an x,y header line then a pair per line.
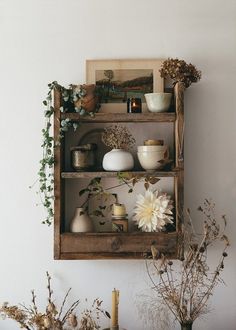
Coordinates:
x,y
179,159
57,176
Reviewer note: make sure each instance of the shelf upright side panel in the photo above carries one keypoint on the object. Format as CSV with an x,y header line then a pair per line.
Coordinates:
x,y
57,177
179,154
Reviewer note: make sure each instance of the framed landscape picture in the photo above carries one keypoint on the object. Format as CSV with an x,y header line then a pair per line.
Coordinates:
x,y
118,80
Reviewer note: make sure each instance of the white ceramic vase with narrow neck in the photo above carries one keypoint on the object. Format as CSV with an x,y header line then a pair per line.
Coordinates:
x,y
81,222
118,160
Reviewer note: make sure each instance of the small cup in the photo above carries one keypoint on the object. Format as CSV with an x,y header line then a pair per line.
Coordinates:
x,y
158,102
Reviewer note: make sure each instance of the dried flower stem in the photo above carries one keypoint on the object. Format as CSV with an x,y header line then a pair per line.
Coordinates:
x,y
63,303
187,291
30,318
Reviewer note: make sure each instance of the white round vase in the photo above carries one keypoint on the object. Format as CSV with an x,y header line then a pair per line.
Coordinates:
x,y
81,222
118,160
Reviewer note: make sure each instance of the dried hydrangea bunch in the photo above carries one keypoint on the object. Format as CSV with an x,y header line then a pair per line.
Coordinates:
x,y
31,318
118,137
180,71
186,285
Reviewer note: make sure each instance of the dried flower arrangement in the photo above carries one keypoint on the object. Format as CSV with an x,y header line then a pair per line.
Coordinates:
x,y
118,137
153,211
180,71
54,319
186,288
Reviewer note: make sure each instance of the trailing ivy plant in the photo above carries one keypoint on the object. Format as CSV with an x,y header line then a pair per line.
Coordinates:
x,y
46,171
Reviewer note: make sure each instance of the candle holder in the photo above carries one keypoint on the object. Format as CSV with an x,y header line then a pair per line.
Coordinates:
x,y
134,105
120,225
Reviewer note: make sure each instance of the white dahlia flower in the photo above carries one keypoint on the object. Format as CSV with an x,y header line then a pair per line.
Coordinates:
x,y
153,211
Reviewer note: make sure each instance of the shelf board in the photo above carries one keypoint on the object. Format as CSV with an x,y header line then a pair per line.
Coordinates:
x,y
116,245
122,117
103,174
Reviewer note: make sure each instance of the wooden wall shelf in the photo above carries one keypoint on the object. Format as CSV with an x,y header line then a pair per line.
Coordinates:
x,y
132,245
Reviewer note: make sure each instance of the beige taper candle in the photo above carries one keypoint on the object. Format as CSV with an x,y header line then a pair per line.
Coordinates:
x,y
114,309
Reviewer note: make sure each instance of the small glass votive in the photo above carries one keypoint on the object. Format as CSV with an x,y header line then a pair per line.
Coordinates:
x,y
134,105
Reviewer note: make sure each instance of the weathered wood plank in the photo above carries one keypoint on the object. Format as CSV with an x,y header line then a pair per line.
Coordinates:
x,y
57,177
116,243
179,158
102,174
122,117
109,256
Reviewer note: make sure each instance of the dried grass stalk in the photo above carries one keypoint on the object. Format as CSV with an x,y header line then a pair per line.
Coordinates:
x,y
185,286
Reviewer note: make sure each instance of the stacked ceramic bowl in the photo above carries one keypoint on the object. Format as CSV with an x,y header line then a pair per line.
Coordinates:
x,y
151,156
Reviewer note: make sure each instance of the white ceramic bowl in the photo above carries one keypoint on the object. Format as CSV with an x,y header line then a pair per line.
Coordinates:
x,y
150,160
158,102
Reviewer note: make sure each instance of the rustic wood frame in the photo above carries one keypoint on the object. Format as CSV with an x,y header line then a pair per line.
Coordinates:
x,y
153,64
118,245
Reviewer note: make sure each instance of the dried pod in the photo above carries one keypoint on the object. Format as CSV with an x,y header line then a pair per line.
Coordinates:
x,y
72,320
47,322
51,308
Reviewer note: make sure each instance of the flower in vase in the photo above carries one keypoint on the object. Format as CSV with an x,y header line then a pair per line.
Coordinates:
x,y
153,211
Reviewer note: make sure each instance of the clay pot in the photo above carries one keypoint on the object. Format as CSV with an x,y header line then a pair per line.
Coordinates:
x,y
90,101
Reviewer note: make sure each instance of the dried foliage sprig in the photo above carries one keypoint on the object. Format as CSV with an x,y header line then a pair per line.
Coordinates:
x,y
186,288
52,318
118,137
95,188
180,71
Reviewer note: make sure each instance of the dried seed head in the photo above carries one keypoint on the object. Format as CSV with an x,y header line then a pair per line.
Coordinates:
x,y
47,322
73,320
51,308
202,249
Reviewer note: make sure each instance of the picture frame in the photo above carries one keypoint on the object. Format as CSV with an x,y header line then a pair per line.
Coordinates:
x,y
118,80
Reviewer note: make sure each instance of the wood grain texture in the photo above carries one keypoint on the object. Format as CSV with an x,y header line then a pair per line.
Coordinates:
x,y
122,117
102,174
179,158
113,245
111,256
57,177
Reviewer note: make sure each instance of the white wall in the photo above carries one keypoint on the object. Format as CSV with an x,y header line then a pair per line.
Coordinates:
x,y
45,40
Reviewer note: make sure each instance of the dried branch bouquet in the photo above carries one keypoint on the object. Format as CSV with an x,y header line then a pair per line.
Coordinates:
x,y
118,137
185,286
52,318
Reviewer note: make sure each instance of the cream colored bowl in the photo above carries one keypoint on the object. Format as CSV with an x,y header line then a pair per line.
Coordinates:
x,y
150,160
153,148
158,102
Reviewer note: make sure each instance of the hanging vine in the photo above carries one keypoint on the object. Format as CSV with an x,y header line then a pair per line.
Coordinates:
x,y
70,98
